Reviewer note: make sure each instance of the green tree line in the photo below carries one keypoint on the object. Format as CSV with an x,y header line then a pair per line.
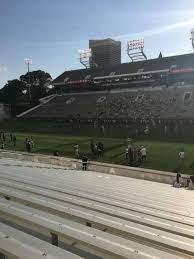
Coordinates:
x,y
25,92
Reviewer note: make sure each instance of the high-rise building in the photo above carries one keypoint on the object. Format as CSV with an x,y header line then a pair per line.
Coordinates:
x,y
105,52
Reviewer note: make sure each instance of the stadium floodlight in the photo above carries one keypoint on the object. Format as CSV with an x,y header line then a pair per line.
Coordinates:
x,y
136,44
85,53
28,62
85,57
135,50
192,38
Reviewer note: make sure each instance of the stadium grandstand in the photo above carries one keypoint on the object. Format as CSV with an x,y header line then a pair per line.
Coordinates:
x,y
160,88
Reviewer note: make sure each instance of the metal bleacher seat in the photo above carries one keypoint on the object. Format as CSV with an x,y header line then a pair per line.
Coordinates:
x,y
106,243
110,223
17,244
143,217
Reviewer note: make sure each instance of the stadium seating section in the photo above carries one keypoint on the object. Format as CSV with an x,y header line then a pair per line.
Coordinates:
x,y
156,88
147,102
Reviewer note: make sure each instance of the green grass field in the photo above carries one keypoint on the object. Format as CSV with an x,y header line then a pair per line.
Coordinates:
x,y
161,155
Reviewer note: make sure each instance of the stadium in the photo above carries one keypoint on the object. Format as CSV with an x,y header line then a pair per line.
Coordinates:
x,y
63,205
152,89
145,100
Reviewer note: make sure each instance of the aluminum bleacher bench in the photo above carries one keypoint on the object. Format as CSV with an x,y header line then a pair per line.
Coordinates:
x,y
117,225
103,244
180,215
69,185
17,244
23,192
59,177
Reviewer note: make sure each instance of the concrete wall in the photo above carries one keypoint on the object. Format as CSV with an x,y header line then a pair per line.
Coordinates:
x,y
127,171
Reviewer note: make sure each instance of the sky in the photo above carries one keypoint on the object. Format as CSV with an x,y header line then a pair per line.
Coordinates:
x,y
52,31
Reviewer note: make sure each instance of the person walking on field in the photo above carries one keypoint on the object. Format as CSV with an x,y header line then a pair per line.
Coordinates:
x,y
14,140
84,163
92,146
76,150
29,144
181,157
4,137
143,153
126,153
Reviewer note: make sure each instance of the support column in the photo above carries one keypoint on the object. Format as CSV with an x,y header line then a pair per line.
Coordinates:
x,y
54,239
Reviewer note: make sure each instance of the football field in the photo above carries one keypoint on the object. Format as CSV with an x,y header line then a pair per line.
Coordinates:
x,y
160,155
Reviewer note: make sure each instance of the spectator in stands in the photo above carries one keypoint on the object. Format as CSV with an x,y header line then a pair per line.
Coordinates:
x,y
165,129
146,130
76,150
84,163
136,133
103,129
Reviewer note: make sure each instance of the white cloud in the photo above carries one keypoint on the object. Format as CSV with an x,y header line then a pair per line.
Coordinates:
x,y
158,30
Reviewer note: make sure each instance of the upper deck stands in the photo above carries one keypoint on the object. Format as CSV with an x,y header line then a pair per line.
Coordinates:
x,y
181,61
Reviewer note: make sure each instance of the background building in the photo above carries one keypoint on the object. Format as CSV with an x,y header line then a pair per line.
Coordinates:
x,y
105,52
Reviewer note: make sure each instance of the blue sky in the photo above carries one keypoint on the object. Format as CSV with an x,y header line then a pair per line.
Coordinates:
x,y
52,31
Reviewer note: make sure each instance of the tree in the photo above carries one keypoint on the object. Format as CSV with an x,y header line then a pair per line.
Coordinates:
x,y
38,81
16,92
13,93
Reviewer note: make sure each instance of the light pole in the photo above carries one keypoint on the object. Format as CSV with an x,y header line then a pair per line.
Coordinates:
x,y
28,62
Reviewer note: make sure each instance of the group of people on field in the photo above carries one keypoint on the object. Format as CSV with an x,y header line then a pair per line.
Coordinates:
x,y
97,149
3,139
29,144
186,183
135,154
